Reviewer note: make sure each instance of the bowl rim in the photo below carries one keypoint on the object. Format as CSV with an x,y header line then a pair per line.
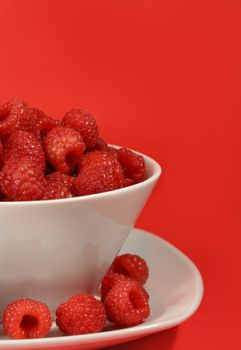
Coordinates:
x,y
150,163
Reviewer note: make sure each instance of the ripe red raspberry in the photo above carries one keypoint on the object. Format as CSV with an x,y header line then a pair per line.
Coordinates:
x,y
128,182
1,165
127,304
26,318
81,314
109,280
133,165
85,123
97,158
24,144
1,154
56,190
10,113
112,150
27,121
132,266
21,180
64,148
62,178
44,122
99,172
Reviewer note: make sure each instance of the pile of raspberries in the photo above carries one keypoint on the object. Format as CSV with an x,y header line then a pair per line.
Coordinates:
x,y
124,302
42,158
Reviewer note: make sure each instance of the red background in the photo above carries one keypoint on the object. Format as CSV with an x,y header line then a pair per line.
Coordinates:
x,y
164,78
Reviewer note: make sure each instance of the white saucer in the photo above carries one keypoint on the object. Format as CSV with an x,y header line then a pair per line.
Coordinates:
x,y
175,287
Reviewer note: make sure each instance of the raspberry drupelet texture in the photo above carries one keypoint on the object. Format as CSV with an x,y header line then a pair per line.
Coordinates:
x,y
1,154
1,165
127,304
24,144
21,180
133,165
99,172
128,182
44,122
16,115
85,123
64,148
109,280
26,318
27,121
62,178
81,314
56,190
132,266
10,115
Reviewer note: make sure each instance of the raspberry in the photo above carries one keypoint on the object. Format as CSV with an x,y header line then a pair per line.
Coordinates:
x,y
12,103
27,121
128,182
16,115
85,123
113,150
99,172
133,165
81,314
10,113
132,266
64,148
21,180
109,280
62,178
44,122
1,154
56,190
26,318
24,144
96,158
127,304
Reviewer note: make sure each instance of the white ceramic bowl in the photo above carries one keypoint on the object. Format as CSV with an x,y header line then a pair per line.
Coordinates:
x,y
51,250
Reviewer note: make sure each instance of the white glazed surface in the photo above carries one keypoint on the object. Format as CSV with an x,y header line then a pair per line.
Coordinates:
x,y
175,287
50,250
